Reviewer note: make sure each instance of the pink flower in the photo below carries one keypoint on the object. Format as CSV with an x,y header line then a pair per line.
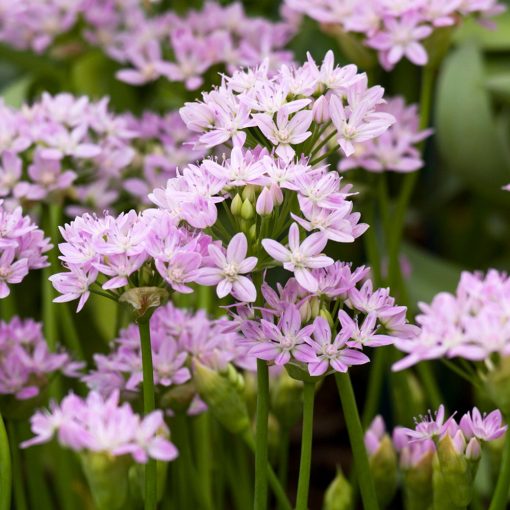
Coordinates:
x,y
400,38
285,132
430,427
285,339
483,427
11,271
74,285
334,354
300,257
229,270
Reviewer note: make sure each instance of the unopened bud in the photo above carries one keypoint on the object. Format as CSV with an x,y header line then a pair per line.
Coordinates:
x,y
320,110
179,397
252,233
249,193
453,478
326,315
418,484
305,311
104,472
247,210
338,495
222,393
473,449
277,194
265,203
236,205
383,466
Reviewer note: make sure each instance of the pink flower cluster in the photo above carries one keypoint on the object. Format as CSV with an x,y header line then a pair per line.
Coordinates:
x,y
395,150
473,323
395,29
22,247
108,253
473,430
26,365
281,112
292,325
102,425
177,337
199,40
71,147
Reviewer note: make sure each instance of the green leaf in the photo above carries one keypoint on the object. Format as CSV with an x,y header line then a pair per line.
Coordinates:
x,y
429,274
491,40
16,93
467,131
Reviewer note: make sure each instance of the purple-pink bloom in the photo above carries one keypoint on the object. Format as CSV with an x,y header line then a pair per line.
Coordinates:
x,y
230,268
300,257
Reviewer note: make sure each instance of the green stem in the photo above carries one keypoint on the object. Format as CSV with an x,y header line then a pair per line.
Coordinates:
x,y
202,437
283,458
149,405
5,469
184,463
429,383
374,387
261,446
410,179
352,420
305,462
17,469
69,333
500,496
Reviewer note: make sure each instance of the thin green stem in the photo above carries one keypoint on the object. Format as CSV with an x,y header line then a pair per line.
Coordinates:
x,y
459,371
283,458
429,383
352,420
261,446
69,333
17,469
149,405
184,463
324,156
305,462
5,468
202,440
374,386
500,496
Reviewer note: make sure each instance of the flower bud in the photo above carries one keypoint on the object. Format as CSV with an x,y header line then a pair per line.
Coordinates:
x,y
453,479
252,233
338,495
235,206
305,311
326,315
473,450
277,194
222,392
418,484
104,472
247,210
320,110
286,394
383,466
249,193
265,202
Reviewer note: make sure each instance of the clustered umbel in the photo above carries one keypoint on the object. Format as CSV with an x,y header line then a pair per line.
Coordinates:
x,y
395,30
326,330
72,149
141,41
438,457
472,324
396,149
179,338
26,364
22,247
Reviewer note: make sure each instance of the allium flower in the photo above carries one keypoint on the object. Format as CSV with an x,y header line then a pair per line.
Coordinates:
x,y
395,29
483,427
103,425
430,427
394,150
22,247
26,365
114,249
177,338
471,324
229,270
335,354
300,257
